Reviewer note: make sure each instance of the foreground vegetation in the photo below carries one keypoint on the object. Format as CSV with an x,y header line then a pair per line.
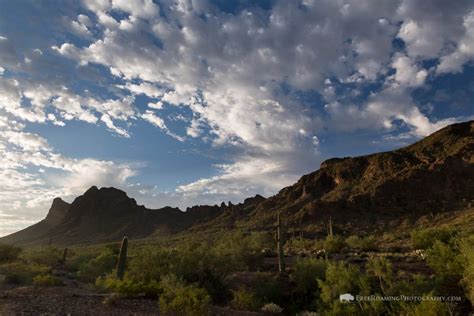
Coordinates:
x,y
235,269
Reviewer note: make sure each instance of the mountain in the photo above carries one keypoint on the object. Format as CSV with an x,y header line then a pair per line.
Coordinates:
x,y
106,214
431,176
56,214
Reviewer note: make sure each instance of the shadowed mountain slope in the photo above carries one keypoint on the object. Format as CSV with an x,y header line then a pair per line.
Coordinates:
x,y
433,175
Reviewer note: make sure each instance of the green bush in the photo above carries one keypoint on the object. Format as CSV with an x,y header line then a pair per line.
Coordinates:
x,y
90,270
244,299
342,278
425,238
333,244
444,259
364,244
300,246
381,268
47,280
426,308
267,288
305,275
467,259
49,256
127,286
238,251
9,253
22,273
179,298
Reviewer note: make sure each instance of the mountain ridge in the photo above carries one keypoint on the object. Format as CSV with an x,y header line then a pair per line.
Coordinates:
x,y
435,174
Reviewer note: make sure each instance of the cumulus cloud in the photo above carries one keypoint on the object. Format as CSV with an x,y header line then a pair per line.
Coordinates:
x,y
229,69
110,124
464,51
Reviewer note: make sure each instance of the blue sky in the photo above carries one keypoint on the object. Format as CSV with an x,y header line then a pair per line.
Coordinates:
x,y
183,102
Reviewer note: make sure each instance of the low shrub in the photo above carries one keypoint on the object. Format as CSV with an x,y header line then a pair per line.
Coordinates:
x,y
425,238
180,298
47,280
22,273
49,255
300,246
305,275
333,244
90,270
244,299
361,243
381,269
444,259
271,308
9,253
340,278
127,286
467,259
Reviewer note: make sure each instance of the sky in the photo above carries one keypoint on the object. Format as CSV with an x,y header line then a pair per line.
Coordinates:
x,y
184,102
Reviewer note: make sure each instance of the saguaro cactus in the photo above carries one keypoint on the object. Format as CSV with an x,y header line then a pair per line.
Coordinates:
x,y
122,260
63,262
330,226
279,239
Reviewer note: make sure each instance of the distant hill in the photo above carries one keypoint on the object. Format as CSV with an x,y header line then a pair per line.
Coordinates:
x,y
431,176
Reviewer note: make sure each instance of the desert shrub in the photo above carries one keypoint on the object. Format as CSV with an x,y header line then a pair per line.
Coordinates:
x,y
179,298
264,288
333,244
426,308
271,308
90,270
340,278
244,299
194,263
300,246
361,243
20,272
381,268
425,238
444,259
111,300
47,280
267,288
238,251
127,286
49,256
305,275
467,259
9,252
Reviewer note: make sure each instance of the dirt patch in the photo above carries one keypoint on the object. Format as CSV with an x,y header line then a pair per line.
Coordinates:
x,y
69,301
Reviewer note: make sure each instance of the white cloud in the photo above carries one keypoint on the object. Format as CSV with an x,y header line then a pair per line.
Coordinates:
x,y
27,141
153,119
407,72
464,51
80,26
110,124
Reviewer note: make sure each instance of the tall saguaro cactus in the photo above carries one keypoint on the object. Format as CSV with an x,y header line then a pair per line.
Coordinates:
x,y
63,262
122,260
330,226
279,239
